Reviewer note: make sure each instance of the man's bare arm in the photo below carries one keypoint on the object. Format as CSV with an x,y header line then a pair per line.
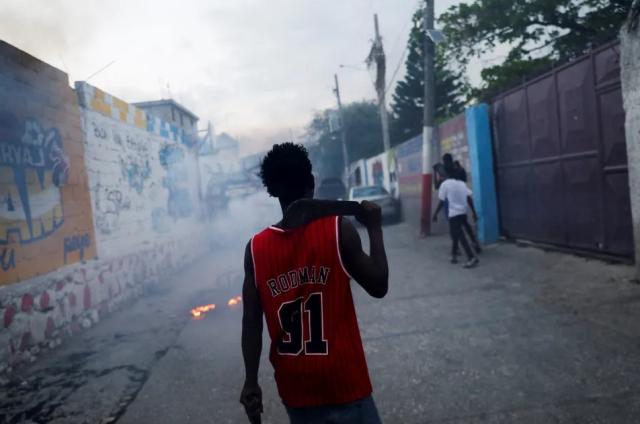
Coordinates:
x,y
438,209
473,208
370,271
251,396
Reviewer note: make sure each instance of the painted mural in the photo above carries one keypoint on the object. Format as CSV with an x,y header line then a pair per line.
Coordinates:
x,y
453,139
36,216
33,168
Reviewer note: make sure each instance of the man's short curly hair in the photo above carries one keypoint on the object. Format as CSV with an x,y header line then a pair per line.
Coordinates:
x,y
286,171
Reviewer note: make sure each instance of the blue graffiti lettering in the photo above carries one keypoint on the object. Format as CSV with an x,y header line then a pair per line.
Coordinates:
x,y
21,155
136,174
75,244
33,158
179,202
7,259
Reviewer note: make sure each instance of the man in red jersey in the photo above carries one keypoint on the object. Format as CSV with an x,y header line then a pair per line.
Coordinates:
x,y
299,279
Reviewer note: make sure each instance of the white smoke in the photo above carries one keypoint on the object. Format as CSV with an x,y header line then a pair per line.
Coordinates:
x,y
243,218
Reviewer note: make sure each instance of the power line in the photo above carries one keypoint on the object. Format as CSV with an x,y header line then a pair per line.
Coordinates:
x,y
404,51
395,72
100,70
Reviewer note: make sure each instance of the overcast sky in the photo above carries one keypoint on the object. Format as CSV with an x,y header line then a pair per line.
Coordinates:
x,y
256,68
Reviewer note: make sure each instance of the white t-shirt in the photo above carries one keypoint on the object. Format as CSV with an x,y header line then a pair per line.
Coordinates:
x,y
455,192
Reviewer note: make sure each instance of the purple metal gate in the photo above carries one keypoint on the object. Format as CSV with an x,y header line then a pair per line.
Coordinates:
x,y
561,157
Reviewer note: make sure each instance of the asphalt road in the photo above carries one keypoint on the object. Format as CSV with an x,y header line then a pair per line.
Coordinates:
x,y
527,337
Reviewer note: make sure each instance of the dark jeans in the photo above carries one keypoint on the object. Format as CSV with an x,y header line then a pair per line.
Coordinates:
x,y
456,228
361,411
468,231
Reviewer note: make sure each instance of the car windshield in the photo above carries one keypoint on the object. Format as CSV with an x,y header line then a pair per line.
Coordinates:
x,y
368,191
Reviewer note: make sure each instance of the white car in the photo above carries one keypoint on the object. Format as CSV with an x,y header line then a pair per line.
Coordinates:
x,y
390,206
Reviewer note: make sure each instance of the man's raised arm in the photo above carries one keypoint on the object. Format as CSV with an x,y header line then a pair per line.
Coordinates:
x,y
370,271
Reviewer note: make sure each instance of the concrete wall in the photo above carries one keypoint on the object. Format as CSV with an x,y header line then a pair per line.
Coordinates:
x,y
45,214
630,64
97,199
144,187
409,171
452,136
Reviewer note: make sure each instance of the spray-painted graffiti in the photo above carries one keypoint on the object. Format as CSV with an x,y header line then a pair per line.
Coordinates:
x,y
133,155
33,168
136,172
76,243
108,205
179,201
160,220
99,132
7,259
134,166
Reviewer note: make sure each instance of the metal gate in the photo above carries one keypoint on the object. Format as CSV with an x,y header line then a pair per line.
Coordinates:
x,y
561,157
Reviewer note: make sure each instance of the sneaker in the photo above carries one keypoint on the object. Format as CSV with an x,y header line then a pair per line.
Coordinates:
x,y
454,259
472,262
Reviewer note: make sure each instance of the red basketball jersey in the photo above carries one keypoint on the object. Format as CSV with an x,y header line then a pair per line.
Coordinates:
x,y
316,350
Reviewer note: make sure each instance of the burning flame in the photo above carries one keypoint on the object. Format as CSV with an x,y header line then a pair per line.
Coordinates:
x,y
198,312
234,301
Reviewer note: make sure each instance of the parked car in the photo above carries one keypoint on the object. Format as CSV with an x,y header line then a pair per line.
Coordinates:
x,y
390,206
331,189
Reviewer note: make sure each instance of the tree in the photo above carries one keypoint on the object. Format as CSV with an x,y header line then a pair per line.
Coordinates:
x,y
537,33
408,98
364,137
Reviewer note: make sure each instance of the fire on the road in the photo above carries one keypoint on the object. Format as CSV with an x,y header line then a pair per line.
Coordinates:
x,y
234,301
198,312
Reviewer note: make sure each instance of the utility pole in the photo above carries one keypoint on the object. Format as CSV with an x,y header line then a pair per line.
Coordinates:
x,y
343,134
377,57
428,122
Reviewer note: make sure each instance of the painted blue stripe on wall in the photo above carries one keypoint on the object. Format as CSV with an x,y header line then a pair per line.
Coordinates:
x,y
482,172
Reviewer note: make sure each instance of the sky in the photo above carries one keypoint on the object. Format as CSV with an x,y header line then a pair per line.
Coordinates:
x,y
257,69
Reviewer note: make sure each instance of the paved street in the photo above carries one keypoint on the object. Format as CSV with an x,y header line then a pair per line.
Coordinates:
x,y
527,337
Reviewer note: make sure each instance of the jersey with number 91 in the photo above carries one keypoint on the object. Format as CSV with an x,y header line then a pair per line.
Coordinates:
x,y
304,290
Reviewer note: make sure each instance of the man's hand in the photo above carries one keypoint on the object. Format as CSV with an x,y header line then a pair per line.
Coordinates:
x,y
435,218
251,398
370,215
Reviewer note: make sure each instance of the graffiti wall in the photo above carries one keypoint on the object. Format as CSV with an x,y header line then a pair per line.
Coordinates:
x,y
453,139
97,200
409,171
45,213
143,184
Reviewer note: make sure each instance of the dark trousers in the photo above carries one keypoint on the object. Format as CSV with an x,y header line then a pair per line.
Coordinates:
x,y
456,228
468,231
361,411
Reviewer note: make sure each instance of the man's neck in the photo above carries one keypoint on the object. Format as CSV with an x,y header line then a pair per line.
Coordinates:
x,y
284,205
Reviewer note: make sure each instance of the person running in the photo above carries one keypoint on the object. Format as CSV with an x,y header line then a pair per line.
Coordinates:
x,y
456,170
458,198
299,279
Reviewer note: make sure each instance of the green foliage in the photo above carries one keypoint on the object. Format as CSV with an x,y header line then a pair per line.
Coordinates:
x,y
364,137
408,98
537,33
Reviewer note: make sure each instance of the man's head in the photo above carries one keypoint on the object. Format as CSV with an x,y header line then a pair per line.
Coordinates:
x,y
286,173
447,159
